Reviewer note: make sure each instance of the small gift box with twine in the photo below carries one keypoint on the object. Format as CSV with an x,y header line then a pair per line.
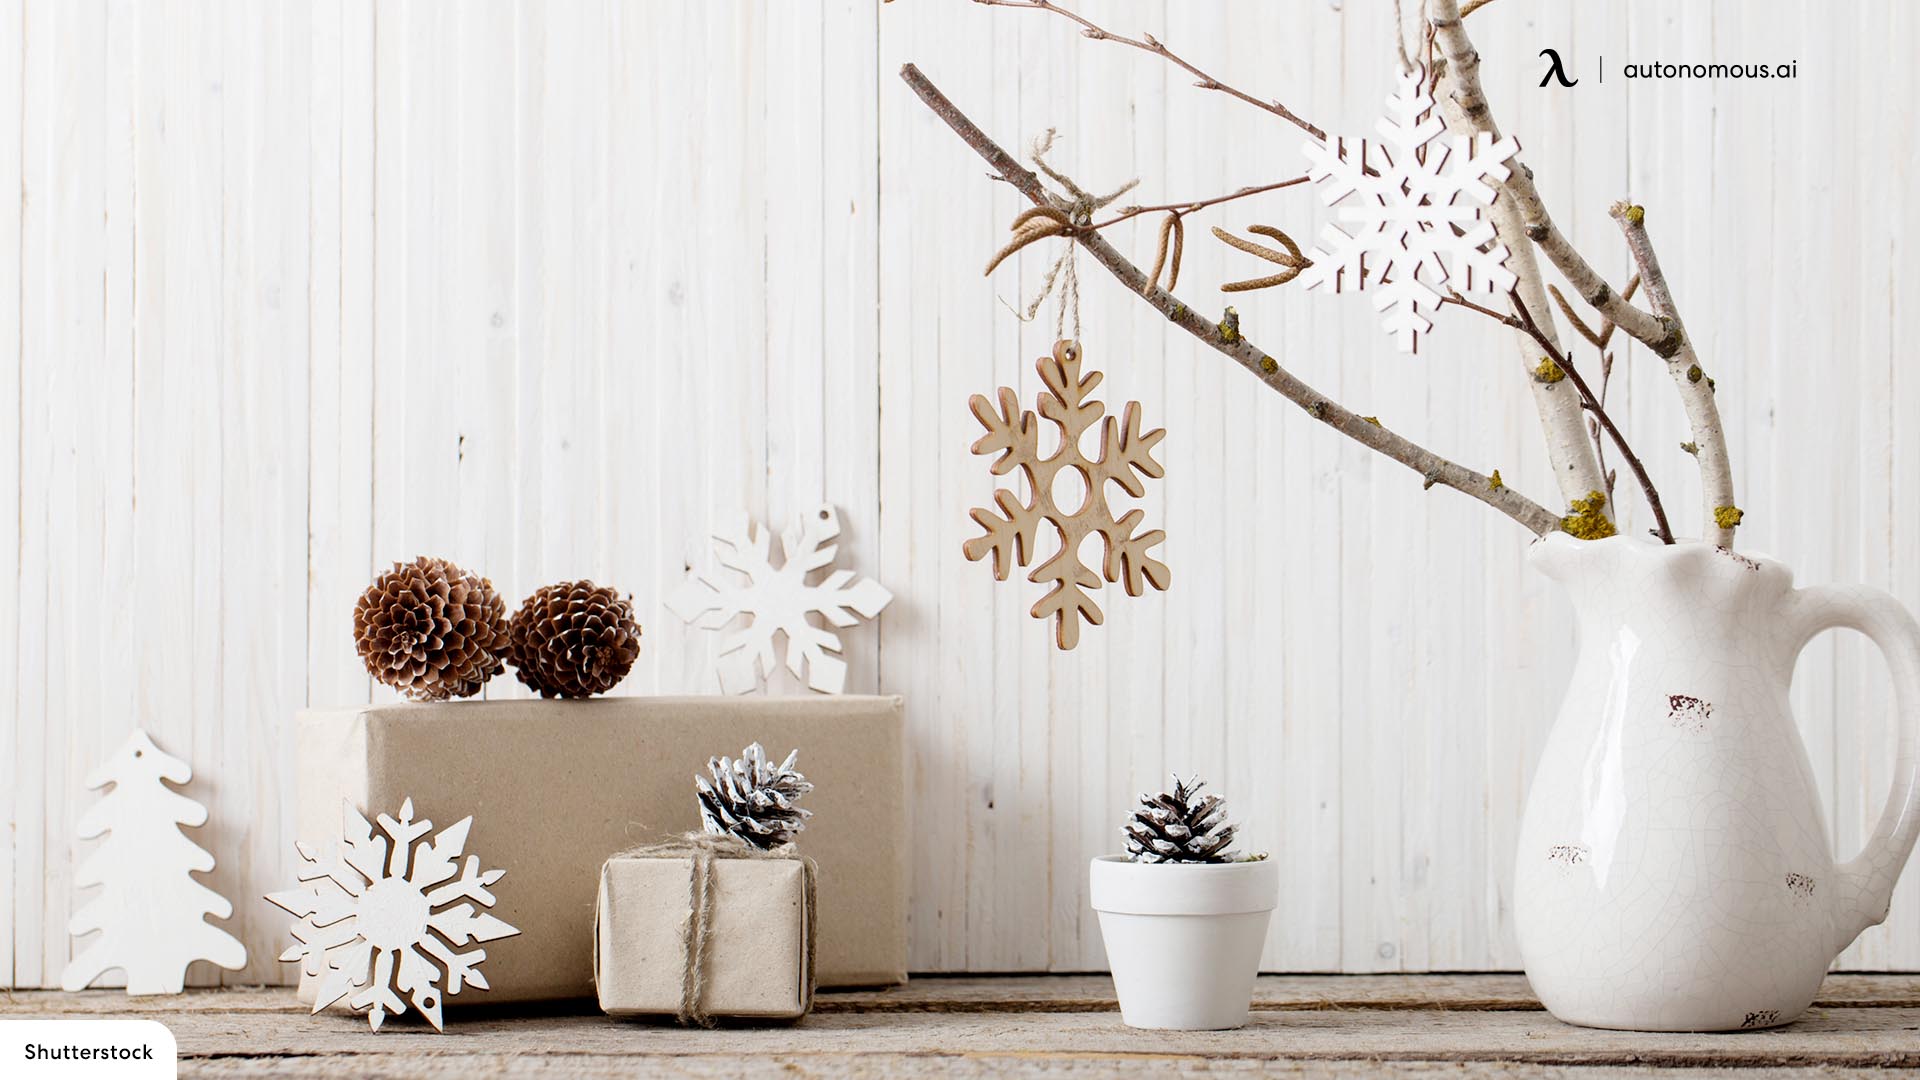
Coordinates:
x,y
714,924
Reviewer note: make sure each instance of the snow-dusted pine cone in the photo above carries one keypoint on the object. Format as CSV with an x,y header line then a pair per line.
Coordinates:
x,y
431,630
753,798
573,639
1174,826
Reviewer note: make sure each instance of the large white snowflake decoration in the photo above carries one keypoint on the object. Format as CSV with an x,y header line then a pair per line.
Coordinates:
x,y
375,924
1413,225
777,600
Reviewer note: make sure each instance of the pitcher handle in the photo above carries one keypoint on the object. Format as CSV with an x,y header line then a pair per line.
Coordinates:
x,y
1865,888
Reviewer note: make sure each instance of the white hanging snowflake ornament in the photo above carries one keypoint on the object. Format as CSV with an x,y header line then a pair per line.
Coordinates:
x,y
383,921
1409,212
776,602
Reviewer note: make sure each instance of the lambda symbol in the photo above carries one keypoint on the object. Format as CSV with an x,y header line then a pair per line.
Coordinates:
x,y
1554,70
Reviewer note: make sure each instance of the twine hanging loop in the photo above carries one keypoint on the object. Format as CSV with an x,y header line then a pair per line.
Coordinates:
x,y
1070,216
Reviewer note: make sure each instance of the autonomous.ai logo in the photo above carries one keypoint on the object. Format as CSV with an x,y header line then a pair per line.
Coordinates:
x,y
1554,69
1665,70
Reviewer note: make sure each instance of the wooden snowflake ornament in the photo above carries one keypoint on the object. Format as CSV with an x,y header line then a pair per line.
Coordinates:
x,y
1126,456
779,600
151,912
384,919
1409,207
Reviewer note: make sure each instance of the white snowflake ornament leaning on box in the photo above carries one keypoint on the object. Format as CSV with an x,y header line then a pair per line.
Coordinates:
x,y
381,921
1412,225
778,600
151,913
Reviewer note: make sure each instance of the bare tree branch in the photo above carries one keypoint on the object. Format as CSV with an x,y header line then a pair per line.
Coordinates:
x,y
1661,330
1197,204
1599,410
1205,81
1575,465
1721,514
1597,338
1522,222
1593,426
1228,341
1523,321
1463,69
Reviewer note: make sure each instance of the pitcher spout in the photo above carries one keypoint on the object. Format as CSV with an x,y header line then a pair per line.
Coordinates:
x,y
1619,570
1563,557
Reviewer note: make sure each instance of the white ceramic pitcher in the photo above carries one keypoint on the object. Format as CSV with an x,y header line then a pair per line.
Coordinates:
x,y
1674,871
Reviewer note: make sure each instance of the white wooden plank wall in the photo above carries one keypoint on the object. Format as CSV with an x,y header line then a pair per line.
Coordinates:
x,y
551,288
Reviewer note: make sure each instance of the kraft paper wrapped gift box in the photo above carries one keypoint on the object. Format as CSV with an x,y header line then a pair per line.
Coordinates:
x,y
556,787
753,957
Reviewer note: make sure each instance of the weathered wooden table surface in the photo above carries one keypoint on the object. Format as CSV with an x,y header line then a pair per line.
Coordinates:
x,y
1059,1026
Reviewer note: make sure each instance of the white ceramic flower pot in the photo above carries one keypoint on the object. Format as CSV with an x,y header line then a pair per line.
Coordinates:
x,y
1184,939
1674,871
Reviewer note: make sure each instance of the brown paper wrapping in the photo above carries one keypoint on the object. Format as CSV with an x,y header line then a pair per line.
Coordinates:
x,y
557,787
755,962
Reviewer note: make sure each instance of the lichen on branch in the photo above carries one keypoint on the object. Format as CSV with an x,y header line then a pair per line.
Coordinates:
x,y
1587,518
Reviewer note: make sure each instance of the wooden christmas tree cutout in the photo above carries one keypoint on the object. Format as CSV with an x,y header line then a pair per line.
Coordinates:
x,y
151,912
1011,534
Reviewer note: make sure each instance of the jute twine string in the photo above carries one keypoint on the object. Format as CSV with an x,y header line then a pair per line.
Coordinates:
x,y
702,850
1422,41
1400,34
1079,207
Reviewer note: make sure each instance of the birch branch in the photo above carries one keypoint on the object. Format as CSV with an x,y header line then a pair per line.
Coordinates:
x,y
1659,330
1523,321
1721,515
1228,341
1597,406
1463,71
1575,465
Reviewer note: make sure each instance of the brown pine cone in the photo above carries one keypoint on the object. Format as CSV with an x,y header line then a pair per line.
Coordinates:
x,y
573,639
431,630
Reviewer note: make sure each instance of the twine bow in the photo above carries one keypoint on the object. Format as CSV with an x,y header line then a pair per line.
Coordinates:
x,y
701,849
1069,217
